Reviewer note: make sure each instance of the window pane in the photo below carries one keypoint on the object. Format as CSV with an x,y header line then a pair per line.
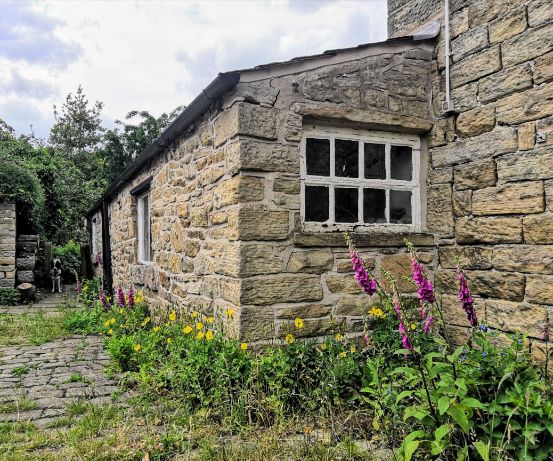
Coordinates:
x,y
345,204
346,156
374,205
401,159
146,228
318,156
400,207
316,203
375,167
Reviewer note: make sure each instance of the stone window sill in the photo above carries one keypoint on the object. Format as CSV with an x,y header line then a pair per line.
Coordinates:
x,y
363,239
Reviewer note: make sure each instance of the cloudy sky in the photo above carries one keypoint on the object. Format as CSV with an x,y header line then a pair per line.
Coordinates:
x,y
155,55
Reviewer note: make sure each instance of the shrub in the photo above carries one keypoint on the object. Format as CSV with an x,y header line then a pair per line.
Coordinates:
x,y
70,258
9,296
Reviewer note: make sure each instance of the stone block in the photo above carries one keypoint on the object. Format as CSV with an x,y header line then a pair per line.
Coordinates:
x,y
470,258
516,317
539,289
508,25
287,185
501,140
537,259
539,12
281,289
399,266
516,198
25,276
545,127
264,156
362,240
525,106
538,228
257,223
543,68
293,127
529,165
229,290
476,121
469,42
483,12
488,230
442,132
462,202
256,323
464,97
439,215
532,43
245,119
476,66
503,83
27,247
342,284
9,260
475,175
526,136
353,306
311,328
258,260
501,285
459,23
25,262
305,311
440,176
312,262
454,314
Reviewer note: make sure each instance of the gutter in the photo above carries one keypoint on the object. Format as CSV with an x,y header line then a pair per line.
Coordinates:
x,y
223,83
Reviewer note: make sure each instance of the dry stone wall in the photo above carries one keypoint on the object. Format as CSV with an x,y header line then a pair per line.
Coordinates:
x,y
7,244
492,162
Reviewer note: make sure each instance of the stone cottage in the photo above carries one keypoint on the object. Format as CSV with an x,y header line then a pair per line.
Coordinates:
x,y
242,201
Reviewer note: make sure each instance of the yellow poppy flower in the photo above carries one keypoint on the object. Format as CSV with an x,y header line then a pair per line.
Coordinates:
x,y
145,321
243,346
172,316
299,323
230,313
194,314
199,326
210,319
413,326
110,331
187,329
209,335
353,350
200,335
290,338
112,320
323,346
338,337
137,347
156,329
107,323
169,340
342,354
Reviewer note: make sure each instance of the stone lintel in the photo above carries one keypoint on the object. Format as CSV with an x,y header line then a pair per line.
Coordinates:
x,y
363,240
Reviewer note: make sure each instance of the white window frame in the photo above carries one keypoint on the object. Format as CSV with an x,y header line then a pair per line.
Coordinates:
x,y
141,210
377,137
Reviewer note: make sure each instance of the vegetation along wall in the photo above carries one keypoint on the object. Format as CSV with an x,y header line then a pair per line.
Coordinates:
x,y
7,244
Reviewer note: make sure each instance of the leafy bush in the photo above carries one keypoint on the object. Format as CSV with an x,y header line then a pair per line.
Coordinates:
x,y
9,296
70,258
22,185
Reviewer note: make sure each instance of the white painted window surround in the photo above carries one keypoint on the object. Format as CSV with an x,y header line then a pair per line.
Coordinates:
x,y
143,220
385,186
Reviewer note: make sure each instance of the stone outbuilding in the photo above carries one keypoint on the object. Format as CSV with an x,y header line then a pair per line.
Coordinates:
x,y
243,200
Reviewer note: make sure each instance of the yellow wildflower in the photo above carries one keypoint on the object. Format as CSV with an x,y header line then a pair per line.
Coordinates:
x,y
187,329
290,338
172,316
112,320
199,326
230,313
243,346
137,347
210,319
139,297
299,323
342,354
338,337
194,314
200,335
323,346
145,321
110,331
156,329
108,299
209,335
121,311
353,350
376,312
107,323
413,326
169,340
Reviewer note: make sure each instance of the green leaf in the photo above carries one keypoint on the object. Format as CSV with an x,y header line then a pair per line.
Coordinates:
x,y
443,404
409,449
458,414
441,432
403,394
483,450
472,403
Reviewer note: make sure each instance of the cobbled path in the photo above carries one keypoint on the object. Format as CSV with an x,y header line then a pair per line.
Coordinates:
x,y
52,376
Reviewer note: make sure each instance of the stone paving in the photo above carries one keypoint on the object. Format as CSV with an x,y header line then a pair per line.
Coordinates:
x,y
47,302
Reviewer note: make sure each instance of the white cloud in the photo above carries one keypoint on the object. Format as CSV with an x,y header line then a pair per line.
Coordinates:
x,y
159,54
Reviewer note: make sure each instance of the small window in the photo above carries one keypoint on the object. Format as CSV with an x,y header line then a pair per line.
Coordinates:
x,y
144,233
356,178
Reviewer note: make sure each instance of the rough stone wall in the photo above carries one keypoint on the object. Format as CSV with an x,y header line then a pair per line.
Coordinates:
x,y
7,244
285,272
492,164
193,200
96,244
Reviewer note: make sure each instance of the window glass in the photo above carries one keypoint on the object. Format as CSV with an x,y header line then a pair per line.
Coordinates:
x,y
374,206
375,155
400,207
346,156
144,240
345,204
316,203
401,162
317,152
